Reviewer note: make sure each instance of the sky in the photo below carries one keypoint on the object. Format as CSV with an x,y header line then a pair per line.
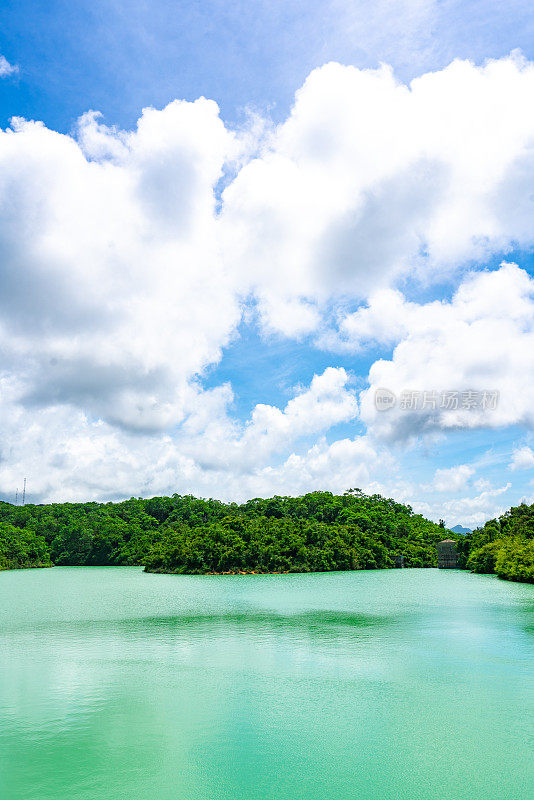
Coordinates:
x,y
258,248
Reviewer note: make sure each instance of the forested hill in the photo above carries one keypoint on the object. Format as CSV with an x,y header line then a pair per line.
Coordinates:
x,y
504,546
317,532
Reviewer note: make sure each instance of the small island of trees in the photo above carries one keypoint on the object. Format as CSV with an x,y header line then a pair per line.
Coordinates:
x,y
316,532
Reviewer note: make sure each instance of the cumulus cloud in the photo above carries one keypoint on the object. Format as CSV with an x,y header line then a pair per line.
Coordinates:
x,y
522,458
113,292
453,479
128,257
69,455
481,341
476,510
327,402
6,68
472,511
370,179
211,437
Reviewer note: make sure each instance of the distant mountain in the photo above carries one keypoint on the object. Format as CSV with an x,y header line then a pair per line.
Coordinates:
x,y
460,529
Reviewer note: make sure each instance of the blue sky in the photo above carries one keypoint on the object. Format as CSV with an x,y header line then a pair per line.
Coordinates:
x,y
118,56
260,325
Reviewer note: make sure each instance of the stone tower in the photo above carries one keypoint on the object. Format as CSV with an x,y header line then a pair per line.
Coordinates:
x,y
447,555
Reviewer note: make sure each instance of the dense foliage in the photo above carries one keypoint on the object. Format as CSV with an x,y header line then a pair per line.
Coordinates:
x,y
503,546
22,548
316,532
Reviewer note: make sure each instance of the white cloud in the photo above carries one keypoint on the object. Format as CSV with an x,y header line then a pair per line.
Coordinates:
x,y
212,438
469,511
68,455
522,458
336,467
369,179
452,479
481,484
6,68
327,402
482,340
113,291
384,321
124,274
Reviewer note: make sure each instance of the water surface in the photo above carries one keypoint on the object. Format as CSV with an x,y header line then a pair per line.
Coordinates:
x,y
379,685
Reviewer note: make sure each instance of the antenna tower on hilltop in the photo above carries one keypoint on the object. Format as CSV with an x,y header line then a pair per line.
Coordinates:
x,y
24,492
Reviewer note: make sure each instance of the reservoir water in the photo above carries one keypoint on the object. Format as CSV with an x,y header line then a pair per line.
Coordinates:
x,y
379,685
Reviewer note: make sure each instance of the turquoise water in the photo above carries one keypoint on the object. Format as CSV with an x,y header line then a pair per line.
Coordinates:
x,y
115,684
